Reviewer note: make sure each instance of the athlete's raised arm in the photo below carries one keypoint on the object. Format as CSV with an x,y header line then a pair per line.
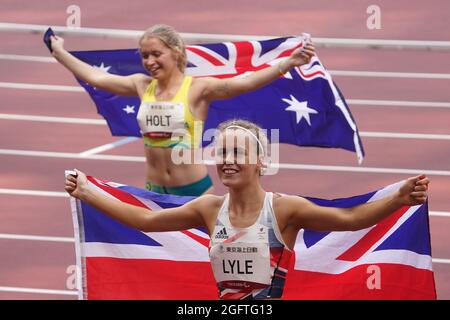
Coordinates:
x,y
121,85
305,214
216,89
181,218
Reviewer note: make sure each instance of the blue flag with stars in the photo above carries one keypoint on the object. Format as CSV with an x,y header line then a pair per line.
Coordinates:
x,y
304,104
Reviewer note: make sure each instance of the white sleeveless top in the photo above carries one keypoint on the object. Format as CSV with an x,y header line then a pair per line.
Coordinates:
x,y
252,262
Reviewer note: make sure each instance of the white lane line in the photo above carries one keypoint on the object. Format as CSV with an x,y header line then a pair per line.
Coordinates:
x,y
71,240
40,291
19,57
398,103
107,146
384,74
438,260
401,135
339,73
356,102
32,86
22,192
24,117
445,214
296,166
67,155
367,134
208,37
292,166
10,236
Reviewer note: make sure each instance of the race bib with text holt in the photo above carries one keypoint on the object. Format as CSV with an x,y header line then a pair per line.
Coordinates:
x,y
160,119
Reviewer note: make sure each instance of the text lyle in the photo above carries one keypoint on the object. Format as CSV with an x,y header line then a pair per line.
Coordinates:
x,y
235,267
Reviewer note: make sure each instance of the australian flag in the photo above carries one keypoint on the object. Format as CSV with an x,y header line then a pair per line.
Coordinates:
x,y
304,104
391,260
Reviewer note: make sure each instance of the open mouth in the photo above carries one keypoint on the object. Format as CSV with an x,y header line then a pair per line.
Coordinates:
x,y
229,171
154,70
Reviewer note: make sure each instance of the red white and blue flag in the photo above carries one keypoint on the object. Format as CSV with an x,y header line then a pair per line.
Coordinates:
x,y
391,260
304,105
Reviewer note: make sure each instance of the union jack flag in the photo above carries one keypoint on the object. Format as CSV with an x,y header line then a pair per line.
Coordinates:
x,y
304,104
391,260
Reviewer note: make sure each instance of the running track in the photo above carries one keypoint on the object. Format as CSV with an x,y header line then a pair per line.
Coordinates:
x,y
41,263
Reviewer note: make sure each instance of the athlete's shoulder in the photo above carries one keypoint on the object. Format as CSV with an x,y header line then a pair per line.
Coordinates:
x,y
209,200
283,203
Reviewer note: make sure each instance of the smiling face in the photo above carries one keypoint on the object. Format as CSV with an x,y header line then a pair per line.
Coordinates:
x,y
158,59
238,160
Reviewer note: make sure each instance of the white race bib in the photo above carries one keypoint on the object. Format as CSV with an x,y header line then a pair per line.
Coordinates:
x,y
161,119
241,264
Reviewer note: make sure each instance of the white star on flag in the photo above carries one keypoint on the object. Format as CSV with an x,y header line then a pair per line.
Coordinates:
x,y
129,109
103,68
300,108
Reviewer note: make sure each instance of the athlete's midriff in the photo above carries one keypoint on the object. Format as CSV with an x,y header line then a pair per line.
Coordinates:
x,y
162,170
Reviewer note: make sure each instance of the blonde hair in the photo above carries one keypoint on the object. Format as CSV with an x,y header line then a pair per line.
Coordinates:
x,y
257,131
172,39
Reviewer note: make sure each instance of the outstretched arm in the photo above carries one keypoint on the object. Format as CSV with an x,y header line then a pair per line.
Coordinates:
x,y
309,215
121,85
216,89
180,218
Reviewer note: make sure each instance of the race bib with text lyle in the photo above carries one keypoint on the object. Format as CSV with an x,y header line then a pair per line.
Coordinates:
x,y
241,264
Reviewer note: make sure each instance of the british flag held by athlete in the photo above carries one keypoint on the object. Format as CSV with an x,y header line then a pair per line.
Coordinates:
x,y
304,104
391,260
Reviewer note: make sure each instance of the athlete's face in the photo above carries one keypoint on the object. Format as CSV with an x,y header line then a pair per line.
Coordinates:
x,y
158,59
236,157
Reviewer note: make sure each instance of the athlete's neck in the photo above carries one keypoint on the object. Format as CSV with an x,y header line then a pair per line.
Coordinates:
x,y
246,201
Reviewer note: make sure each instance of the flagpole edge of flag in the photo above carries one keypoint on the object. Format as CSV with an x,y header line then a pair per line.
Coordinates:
x,y
80,270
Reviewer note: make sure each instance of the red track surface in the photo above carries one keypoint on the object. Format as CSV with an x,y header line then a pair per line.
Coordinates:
x,y
42,264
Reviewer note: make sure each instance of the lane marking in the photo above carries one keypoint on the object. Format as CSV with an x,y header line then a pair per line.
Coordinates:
x,y
25,117
23,192
87,121
108,146
386,74
292,166
10,236
404,135
33,86
398,103
445,214
355,102
68,155
362,169
40,291
72,240
40,193
338,73
438,260
198,38
19,57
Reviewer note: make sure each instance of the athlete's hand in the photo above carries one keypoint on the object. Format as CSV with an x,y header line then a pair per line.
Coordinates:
x,y
414,191
302,55
57,44
76,186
